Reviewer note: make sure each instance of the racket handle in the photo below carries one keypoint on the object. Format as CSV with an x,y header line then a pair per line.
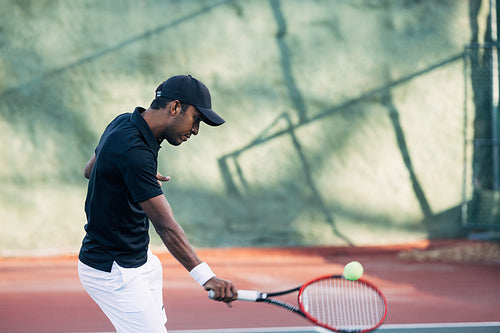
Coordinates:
x,y
243,295
248,295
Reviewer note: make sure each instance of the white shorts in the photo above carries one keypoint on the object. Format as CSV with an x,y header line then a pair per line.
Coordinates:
x,y
130,297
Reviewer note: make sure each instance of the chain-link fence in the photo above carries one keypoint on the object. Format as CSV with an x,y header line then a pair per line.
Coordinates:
x,y
481,195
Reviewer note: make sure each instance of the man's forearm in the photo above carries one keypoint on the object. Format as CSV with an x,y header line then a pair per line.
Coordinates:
x,y
177,243
171,233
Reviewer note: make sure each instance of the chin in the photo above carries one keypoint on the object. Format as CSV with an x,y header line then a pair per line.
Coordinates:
x,y
174,142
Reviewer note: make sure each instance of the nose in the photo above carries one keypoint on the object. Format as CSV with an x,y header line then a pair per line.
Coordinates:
x,y
195,128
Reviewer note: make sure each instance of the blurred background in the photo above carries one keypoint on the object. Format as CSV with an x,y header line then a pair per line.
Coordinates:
x,y
349,122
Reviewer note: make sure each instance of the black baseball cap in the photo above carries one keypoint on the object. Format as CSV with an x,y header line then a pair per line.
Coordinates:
x,y
187,89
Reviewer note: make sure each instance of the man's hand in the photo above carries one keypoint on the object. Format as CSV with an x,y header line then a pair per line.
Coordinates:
x,y
224,291
88,167
162,178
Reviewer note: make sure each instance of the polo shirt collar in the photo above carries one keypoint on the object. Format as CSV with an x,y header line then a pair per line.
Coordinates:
x,y
144,128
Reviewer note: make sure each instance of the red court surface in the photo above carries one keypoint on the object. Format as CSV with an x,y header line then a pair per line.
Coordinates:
x,y
44,294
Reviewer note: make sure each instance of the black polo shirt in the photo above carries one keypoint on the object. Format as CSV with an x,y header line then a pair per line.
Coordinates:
x,y
124,174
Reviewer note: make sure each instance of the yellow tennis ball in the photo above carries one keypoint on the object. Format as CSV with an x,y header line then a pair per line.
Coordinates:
x,y
353,270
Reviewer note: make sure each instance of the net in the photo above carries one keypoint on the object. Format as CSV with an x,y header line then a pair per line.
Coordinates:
x,y
343,305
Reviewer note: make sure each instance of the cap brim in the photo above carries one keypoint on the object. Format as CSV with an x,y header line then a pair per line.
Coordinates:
x,y
211,118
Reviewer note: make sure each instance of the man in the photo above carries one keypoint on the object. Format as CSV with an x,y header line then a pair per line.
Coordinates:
x,y
115,266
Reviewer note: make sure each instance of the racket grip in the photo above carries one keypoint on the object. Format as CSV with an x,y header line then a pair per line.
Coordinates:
x,y
248,295
243,295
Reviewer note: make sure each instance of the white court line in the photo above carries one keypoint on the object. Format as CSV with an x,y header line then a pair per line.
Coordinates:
x,y
256,330
248,330
323,330
441,325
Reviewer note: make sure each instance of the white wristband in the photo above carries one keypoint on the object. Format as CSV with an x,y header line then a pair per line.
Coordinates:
x,y
202,273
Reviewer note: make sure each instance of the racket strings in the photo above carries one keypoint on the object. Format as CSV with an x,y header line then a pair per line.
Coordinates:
x,y
343,305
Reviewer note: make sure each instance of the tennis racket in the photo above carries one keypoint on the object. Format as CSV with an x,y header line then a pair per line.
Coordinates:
x,y
332,302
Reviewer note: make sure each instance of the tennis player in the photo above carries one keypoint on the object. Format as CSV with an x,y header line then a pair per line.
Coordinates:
x,y
115,266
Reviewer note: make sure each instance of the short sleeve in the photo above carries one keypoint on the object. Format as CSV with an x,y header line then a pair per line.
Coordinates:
x,y
138,169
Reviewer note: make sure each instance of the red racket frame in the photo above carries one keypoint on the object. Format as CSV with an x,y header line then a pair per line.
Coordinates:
x,y
314,320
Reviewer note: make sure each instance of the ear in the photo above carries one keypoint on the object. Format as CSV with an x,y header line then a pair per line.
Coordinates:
x,y
175,107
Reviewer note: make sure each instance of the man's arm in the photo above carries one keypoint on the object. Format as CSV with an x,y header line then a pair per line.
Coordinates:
x,y
160,213
90,164
88,167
